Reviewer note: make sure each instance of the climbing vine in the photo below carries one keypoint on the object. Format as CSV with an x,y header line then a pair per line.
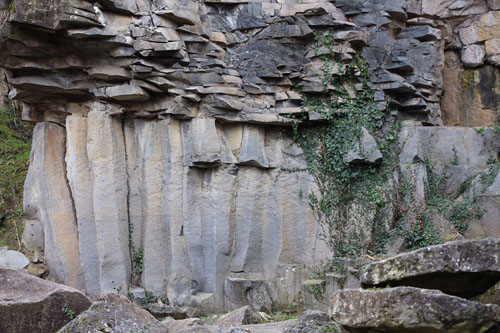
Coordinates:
x,y
352,200
417,224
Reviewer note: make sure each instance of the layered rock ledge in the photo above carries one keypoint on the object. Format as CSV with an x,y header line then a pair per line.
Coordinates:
x,y
462,268
408,309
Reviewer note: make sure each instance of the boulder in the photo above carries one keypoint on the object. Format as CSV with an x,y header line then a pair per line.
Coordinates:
x,y
242,316
114,314
30,304
405,309
259,293
13,259
163,311
178,325
461,268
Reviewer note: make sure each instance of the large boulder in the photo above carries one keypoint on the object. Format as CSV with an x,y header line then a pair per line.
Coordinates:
x,y
114,314
461,268
30,304
405,309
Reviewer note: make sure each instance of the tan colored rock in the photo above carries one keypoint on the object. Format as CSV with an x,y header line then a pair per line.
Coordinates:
x,y
451,8
485,28
48,199
106,158
30,304
80,180
469,95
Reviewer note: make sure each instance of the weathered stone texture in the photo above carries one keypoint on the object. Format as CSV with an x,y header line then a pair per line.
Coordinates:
x,y
48,199
159,153
115,314
30,304
407,309
458,268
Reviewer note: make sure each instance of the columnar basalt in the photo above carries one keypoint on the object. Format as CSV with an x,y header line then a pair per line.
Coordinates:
x,y
160,155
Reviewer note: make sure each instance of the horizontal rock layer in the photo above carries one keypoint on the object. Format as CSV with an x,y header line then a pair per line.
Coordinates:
x,y
464,269
407,309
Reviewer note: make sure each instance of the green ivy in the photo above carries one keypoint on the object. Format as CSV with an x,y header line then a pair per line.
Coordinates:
x,y
458,208
347,193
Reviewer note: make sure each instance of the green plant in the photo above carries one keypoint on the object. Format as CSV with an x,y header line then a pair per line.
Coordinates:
x,y
150,298
479,130
12,6
458,207
455,161
347,192
68,312
15,139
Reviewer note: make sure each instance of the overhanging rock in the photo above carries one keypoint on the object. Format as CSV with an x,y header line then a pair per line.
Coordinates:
x,y
462,268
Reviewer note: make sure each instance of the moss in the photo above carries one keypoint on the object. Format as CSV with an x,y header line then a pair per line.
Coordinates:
x,y
468,78
15,138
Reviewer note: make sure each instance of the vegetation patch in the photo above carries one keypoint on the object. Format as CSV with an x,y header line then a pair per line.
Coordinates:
x,y
459,208
352,202
15,146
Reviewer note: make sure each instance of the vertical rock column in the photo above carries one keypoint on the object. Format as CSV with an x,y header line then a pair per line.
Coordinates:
x,y
145,151
80,181
107,160
48,199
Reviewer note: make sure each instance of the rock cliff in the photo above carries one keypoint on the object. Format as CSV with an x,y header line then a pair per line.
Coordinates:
x,y
160,152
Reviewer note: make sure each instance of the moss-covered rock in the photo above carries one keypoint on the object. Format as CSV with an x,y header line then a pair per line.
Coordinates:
x,y
461,268
408,309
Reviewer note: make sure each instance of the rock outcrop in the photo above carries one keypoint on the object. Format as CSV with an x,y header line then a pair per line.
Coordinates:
x,y
30,304
464,269
403,309
159,152
416,291
114,314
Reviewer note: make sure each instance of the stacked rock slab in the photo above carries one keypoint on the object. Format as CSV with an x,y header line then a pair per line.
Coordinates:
x,y
424,291
159,152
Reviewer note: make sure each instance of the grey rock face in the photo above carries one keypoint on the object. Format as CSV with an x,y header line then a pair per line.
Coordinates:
x,y
30,304
13,259
460,154
473,55
462,268
410,309
114,313
47,199
159,154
